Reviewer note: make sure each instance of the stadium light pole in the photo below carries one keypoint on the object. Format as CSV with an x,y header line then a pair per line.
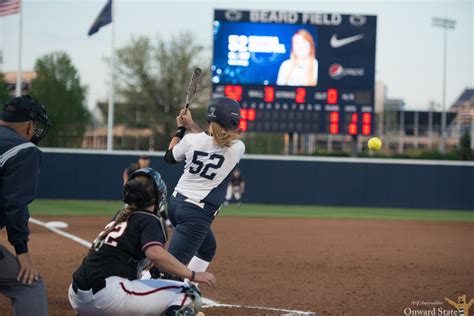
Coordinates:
x,y
446,24
111,109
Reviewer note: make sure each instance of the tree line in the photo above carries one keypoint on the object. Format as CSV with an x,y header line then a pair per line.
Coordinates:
x,y
151,80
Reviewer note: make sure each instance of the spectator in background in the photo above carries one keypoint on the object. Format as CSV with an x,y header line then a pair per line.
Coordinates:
x,y
143,162
236,188
302,67
20,161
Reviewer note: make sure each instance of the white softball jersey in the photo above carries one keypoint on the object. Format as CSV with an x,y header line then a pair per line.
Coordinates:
x,y
208,167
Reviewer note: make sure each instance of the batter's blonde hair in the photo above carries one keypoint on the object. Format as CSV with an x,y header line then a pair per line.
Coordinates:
x,y
223,137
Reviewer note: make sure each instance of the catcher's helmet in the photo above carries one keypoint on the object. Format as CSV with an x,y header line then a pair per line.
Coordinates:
x,y
135,192
225,112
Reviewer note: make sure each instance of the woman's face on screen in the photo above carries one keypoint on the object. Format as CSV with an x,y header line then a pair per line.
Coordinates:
x,y
301,47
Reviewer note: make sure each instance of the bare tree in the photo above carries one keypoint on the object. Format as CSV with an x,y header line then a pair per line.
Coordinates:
x,y
154,77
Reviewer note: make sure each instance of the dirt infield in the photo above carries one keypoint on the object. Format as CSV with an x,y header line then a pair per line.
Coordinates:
x,y
330,267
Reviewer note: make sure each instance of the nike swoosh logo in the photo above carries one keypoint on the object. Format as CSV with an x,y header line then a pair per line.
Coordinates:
x,y
339,42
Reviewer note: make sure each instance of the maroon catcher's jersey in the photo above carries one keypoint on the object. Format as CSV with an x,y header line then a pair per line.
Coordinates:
x,y
122,252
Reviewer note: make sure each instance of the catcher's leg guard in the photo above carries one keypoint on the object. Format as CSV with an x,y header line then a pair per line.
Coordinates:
x,y
192,309
178,311
193,292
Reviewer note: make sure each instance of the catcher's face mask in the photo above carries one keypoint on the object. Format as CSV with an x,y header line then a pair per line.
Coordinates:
x,y
42,124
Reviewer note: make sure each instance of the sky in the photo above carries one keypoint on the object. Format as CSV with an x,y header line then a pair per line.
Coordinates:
x,y
409,51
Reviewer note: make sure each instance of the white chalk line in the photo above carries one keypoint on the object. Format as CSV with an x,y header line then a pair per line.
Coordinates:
x,y
289,311
207,303
79,240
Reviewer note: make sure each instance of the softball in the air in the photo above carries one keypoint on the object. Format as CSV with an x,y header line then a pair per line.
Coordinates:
x,y
374,143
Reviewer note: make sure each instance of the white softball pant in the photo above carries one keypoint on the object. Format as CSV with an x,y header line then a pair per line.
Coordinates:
x,y
124,297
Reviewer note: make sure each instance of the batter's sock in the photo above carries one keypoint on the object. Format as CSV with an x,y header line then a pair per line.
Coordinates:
x,y
198,265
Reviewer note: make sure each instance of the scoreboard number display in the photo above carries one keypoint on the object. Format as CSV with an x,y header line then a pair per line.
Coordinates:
x,y
297,72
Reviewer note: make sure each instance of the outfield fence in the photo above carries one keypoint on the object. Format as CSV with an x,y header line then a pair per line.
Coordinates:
x,y
296,180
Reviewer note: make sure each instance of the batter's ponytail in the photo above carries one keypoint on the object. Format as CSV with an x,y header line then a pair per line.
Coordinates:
x,y
222,136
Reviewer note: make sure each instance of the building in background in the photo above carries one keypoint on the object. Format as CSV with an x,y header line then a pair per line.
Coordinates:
x,y
26,79
402,130
380,97
124,138
463,107
392,124
131,129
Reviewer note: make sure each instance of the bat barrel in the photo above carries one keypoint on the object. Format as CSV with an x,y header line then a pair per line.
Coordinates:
x,y
192,86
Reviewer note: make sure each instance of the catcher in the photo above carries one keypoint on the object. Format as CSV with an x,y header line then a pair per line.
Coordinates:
x,y
107,282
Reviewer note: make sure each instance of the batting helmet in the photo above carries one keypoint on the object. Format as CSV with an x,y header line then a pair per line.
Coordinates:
x,y
225,112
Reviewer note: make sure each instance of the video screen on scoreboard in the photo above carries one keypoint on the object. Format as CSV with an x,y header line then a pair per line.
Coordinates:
x,y
297,71
267,54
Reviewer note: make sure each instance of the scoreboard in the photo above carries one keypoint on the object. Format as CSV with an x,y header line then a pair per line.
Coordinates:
x,y
297,72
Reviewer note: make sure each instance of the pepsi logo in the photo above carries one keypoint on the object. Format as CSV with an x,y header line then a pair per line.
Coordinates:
x,y
336,71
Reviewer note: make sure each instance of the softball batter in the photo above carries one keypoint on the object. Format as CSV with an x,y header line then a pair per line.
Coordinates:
x,y
106,283
209,160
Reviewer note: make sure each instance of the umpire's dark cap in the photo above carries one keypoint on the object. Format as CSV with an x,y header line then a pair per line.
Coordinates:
x,y
21,109
144,157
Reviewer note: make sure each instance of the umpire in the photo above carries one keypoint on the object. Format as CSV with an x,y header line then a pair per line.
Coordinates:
x,y
20,131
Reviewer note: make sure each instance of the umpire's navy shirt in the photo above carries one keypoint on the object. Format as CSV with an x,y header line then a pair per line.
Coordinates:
x,y
19,172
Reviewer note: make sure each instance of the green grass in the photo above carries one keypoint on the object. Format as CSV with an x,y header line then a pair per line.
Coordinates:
x,y
74,207
94,208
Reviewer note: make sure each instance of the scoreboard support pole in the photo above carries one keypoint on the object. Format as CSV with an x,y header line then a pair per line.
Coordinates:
x,y
329,143
290,143
354,145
